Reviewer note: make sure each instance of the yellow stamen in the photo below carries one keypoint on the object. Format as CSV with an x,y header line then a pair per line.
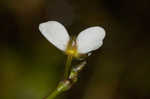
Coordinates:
x,y
72,48
71,52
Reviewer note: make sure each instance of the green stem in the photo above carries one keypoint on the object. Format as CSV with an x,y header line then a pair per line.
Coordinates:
x,y
67,83
53,95
62,87
67,67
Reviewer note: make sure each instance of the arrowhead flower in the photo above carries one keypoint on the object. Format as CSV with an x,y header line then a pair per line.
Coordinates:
x,y
88,40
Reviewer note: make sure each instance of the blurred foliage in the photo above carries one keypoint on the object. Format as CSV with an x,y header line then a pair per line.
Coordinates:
x,y
30,67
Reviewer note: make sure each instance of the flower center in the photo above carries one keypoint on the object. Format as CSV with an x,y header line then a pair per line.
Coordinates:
x,y
72,49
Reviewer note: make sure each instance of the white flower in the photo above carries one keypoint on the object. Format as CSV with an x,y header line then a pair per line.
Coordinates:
x,y
88,40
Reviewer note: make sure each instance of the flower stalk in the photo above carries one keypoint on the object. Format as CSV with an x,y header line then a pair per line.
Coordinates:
x,y
67,83
68,66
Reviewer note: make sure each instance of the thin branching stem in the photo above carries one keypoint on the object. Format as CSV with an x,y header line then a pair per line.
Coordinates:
x,y
71,77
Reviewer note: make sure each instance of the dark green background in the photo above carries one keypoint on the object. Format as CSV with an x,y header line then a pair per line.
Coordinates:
x,y
30,67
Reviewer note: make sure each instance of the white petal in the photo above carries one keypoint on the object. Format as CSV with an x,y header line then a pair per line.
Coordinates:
x,y
55,33
90,39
